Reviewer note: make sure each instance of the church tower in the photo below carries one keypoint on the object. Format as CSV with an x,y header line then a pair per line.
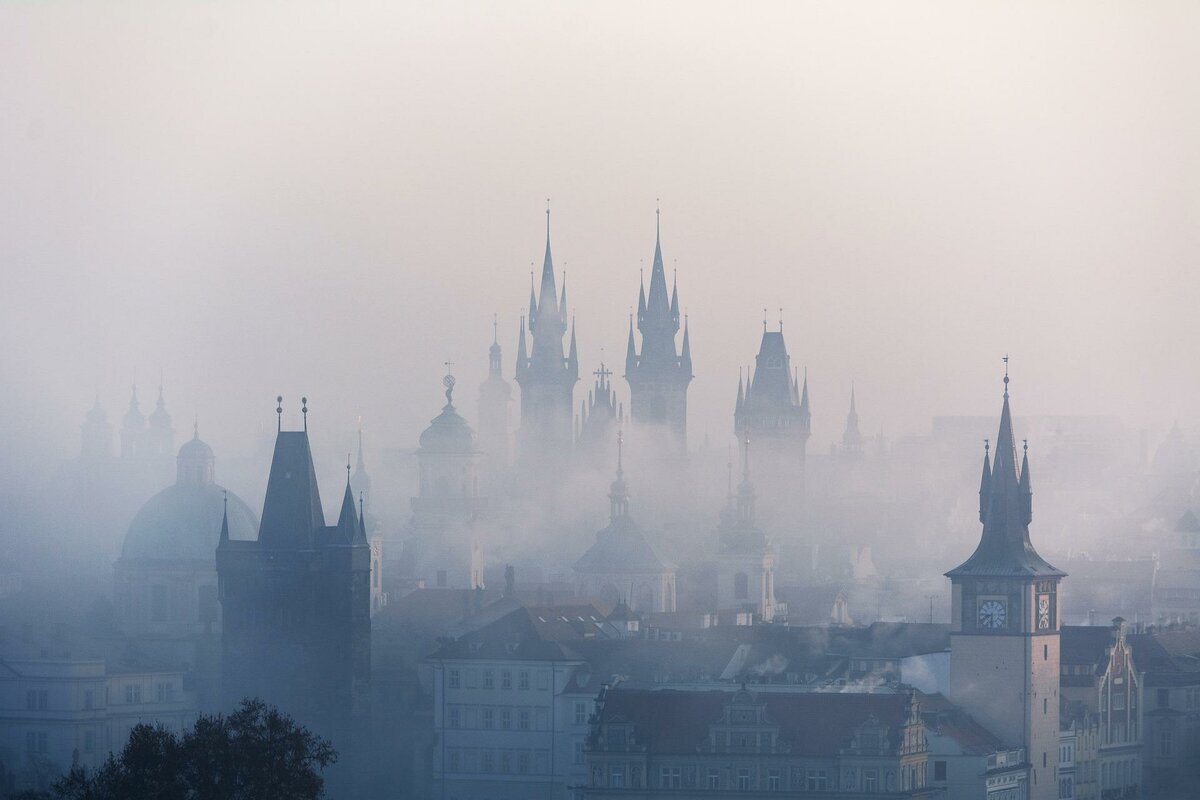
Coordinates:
x,y
96,439
160,435
495,395
133,429
659,376
547,378
746,557
599,416
852,440
1004,639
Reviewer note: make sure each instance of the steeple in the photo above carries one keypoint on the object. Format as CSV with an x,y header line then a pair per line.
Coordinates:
x,y
618,495
1006,506
347,525
984,481
852,444
630,350
360,480
224,540
495,359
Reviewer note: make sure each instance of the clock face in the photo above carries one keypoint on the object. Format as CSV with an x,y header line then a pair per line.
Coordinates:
x,y
993,614
1043,612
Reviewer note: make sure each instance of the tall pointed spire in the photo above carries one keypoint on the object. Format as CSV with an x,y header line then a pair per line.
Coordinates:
x,y
224,519
618,495
685,358
741,395
573,355
522,352
984,484
1026,487
630,351
805,411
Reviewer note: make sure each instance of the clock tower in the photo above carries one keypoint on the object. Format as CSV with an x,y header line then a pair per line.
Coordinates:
x,y
1004,639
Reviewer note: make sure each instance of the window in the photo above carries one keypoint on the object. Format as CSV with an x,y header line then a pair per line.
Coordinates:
x,y
577,757
616,777
133,693
1045,705
523,680
31,700
452,718
165,692
714,779
89,700
939,770
817,780
580,713
523,762
506,761
506,719
489,718
743,779
455,679
1045,652
1164,743
1164,698
1043,759
488,762
523,720
489,679
452,759
506,679
1118,701
870,780
773,783
43,700
672,778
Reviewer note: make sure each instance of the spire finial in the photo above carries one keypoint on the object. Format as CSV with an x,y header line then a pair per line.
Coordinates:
x,y
1025,445
657,217
1005,359
347,469
196,426
449,382
764,320
547,219
279,413
987,446
495,329
781,320
304,411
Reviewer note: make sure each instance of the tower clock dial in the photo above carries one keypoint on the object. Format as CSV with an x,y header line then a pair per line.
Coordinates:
x,y
993,614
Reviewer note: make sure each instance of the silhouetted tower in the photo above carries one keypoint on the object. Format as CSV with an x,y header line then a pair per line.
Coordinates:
x,y
599,415
547,378
295,602
160,435
772,408
96,434
495,395
659,376
1004,626
746,557
133,429
852,440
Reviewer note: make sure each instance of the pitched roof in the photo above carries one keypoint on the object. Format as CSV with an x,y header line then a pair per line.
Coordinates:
x,y
1005,549
292,511
620,547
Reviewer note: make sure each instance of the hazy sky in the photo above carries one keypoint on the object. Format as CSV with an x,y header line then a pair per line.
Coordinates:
x,y
333,199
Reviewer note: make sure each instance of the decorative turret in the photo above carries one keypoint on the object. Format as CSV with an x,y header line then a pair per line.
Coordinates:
x,y
160,436
659,376
745,558
494,397
195,463
852,441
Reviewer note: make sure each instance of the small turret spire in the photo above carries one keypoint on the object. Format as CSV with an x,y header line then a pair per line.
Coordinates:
x,y
224,518
304,411
279,413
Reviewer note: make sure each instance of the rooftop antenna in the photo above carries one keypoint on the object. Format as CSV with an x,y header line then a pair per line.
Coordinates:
x,y
279,413
304,411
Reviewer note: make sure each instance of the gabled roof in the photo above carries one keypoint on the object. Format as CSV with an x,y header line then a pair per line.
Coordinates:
x,y
292,511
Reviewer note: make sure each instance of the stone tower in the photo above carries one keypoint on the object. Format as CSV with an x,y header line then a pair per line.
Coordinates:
x,y
547,378
599,416
1004,640
296,604
772,408
746,557
659,376
495,395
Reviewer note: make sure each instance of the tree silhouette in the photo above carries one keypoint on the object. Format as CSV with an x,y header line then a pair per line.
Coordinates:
x,y
255,753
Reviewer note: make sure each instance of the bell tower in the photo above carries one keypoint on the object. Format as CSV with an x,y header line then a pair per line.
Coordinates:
x,y
1004,632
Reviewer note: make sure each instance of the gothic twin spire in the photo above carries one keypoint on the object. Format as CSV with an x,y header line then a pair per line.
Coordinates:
x,y
547,324
658,322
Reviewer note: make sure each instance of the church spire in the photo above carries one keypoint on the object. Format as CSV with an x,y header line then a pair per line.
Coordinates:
x,y
984,482
630,351
618,495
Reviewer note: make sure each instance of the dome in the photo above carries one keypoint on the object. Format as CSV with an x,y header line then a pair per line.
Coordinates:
x,y
183,522
195,450
448,433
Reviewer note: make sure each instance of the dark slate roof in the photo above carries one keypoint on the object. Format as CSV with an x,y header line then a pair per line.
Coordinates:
x,y
1168,657
891,640
1188,523
183,522
292,512
1004,549
647,663
621,547
772,385
671,721
1085,644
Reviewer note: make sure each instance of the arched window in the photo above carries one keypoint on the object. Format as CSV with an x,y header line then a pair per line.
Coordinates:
x,y
741,586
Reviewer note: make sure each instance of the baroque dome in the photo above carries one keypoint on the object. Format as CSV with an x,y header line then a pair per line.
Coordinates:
x,y
183,522
448,433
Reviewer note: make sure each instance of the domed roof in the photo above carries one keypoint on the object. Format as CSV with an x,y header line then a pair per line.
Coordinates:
x,y
195,449
183,522
448,433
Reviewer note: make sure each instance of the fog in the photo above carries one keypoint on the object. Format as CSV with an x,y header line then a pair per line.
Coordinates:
x,y
239,201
